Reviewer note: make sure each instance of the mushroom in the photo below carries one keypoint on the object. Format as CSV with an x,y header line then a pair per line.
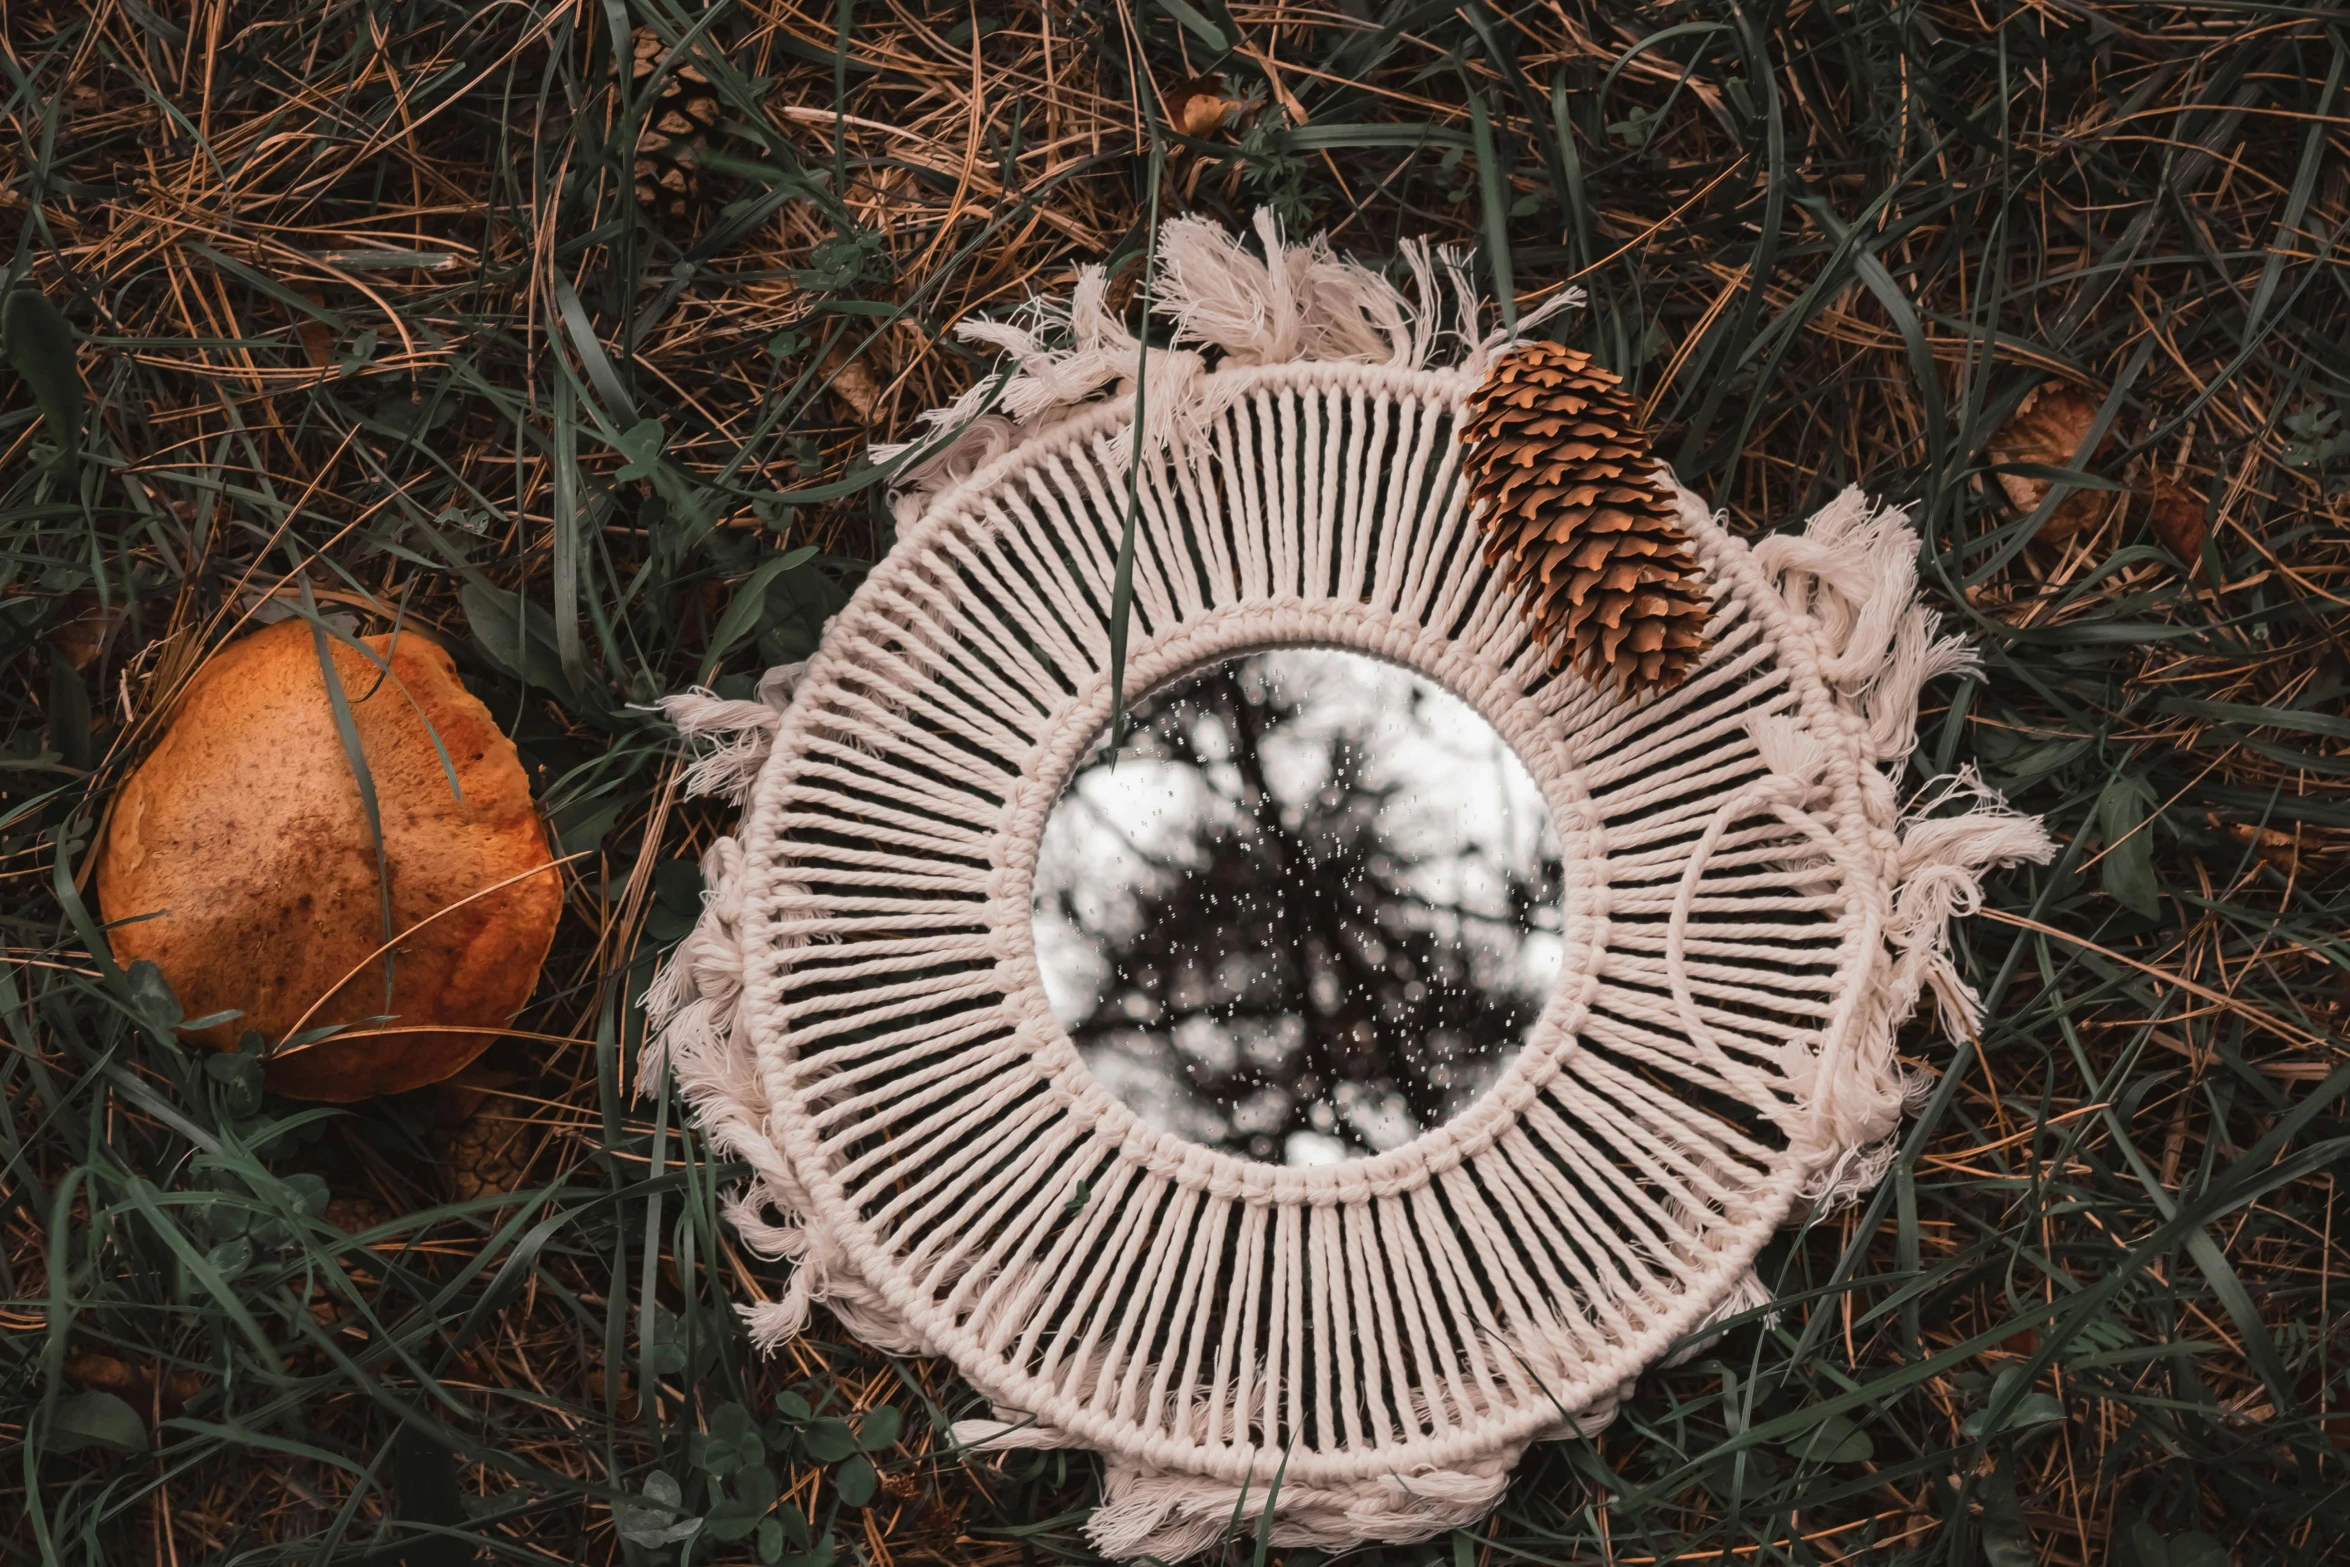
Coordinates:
x,y
239,859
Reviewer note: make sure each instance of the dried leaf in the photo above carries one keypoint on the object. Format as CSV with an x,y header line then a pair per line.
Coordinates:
x,y
2046,430
318,339
2175,514
852,382
2280,850
80,640
90,1370
1199,107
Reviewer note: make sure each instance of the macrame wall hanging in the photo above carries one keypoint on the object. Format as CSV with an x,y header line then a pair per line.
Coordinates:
x,y
1361,1350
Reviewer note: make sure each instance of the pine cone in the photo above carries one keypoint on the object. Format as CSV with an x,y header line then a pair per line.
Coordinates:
x,y
484,1146
1578,515
676,127
488,1157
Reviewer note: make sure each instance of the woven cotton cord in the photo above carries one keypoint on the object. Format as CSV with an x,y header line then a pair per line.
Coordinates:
x,y
1242,1390
1385,1336
1166,1509
1849,585
1298,302
696,1037
1170,1511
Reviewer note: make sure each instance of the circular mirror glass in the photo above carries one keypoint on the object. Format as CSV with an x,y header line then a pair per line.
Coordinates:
x,y
1306,912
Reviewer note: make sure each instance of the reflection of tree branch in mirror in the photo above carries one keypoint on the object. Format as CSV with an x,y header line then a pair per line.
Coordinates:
x,y
1300,922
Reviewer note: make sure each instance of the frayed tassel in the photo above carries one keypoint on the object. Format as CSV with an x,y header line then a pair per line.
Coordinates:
x,y
1749,1293
1154,1513
1502,339
668,995
1293,302
1942,863
821,1277
746,1210
1063,356
742,732
1853,1102
690,1005
1852,573
1065,360
684,1033
1854,1113
1789,750
1283,302
1425,322
730,768
700,713
775,1323
1006,1433
1854,1174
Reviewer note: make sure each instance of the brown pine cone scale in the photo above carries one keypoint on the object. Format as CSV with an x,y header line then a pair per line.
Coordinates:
x,y
1579,516
678,126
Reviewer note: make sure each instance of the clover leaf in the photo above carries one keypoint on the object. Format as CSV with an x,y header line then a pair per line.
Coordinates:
x,y
828,1440
657,1519
879,1429
95,1419
735,1517
732,1443
856,1481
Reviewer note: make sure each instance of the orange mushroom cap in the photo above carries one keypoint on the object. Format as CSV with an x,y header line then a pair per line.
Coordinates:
x,y
238,859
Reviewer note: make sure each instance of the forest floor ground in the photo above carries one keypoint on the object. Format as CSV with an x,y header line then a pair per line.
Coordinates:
x,y
542,326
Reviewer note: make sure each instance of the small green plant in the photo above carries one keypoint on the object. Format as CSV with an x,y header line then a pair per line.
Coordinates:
x,y
2319,443
738,1453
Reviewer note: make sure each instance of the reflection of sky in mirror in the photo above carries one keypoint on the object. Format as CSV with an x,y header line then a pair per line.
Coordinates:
x,y
1309,911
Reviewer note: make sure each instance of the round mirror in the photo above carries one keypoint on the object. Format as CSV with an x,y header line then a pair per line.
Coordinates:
x,y
1306,911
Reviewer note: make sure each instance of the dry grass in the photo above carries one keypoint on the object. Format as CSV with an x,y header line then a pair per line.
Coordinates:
x,y
372,324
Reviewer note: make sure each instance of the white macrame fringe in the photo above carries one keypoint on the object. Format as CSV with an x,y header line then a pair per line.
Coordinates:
x,y
740,733
1849,583
1295,303
1749,1293
1146,1511
694,1032
1149,1512
1852,575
